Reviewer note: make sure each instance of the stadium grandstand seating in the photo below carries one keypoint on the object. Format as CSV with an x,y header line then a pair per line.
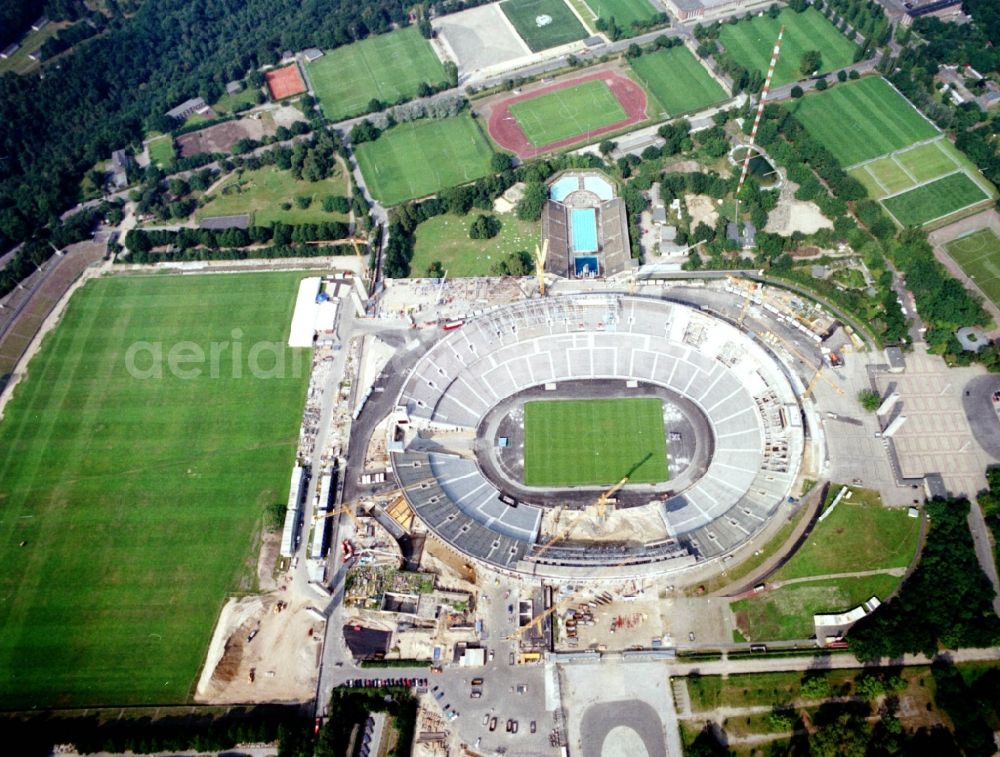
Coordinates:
x,y
754,415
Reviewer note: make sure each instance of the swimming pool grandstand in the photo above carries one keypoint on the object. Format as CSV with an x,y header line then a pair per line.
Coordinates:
x,y
587,227
750,431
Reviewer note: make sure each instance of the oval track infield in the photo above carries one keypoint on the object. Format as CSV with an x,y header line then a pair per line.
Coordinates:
x,y
505,130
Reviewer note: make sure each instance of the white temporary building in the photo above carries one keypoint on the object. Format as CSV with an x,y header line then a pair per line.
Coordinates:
x,y
293,512
304,317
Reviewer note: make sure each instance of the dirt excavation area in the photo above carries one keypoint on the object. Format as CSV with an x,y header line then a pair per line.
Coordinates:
x,y
264,649
702,209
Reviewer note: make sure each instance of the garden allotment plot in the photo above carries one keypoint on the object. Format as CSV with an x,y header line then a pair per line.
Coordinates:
x,y
543,23
751,43
138,500
423,157
594,442
385,67
979,255
568,112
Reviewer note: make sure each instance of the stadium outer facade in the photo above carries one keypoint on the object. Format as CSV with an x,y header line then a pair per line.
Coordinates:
x,y
754,417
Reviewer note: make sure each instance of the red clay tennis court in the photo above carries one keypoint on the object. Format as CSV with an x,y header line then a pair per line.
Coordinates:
x,y
285,82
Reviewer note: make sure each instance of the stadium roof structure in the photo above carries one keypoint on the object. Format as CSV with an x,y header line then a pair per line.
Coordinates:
x,y
739,387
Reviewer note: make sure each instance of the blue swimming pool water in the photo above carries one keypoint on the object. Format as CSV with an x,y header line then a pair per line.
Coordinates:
x,y
563,187
598,186
583,222
586,265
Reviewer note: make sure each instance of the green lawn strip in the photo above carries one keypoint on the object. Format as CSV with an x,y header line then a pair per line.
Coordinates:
x,y
261,193
861,120
568,112
927,162
385,67
677,80
594,442
934,200
423,157
446,238
161,151
860,534
979,256
229,103
138,499
751,42
564,27
624,12
890,175
787,613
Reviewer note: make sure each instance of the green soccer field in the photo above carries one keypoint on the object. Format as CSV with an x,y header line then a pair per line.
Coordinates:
x,y
139,500
594,442
934,200
677,80
385,67
751,43
568,112
423,157
979,256
564,27
624,12
861,120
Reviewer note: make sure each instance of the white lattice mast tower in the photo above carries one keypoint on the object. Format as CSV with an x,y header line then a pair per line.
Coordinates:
x,y
756,121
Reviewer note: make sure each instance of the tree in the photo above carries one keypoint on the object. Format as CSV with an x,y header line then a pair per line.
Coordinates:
x,y
841,75
501,162
607,147
303,201
435,270
484,227
530,206
815,687
811,62
796,91
869,399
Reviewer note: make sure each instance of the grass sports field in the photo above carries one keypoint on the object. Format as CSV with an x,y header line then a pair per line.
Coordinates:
x,y
750,43
934,200
564,27
422,157
262,193
594,442
678,82
979,255
568,112
385,67
904,170
139,500
624,12
446,238
861,120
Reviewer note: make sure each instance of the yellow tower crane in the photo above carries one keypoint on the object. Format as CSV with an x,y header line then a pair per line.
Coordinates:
x,y
602,501
541,253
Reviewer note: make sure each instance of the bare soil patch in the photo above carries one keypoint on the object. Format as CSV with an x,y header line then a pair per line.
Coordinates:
x,y
222,137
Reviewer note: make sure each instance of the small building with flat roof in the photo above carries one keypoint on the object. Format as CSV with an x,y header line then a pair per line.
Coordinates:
x,y
311,54
186,108
234,87
8,51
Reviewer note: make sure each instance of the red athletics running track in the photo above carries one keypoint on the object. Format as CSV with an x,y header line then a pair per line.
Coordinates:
x,y
507,132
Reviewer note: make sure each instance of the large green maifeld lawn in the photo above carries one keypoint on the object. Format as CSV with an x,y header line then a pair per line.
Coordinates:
x,y
131,506
751,43
594,442
384,67
543,23
423,157
861,120
677,80
568,112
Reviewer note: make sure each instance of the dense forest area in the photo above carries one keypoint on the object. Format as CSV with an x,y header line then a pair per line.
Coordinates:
x,y
108,88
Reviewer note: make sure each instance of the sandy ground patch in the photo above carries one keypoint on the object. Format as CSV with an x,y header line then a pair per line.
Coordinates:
x,y
222,137
480,38
286,115
278,650
702,209
795,215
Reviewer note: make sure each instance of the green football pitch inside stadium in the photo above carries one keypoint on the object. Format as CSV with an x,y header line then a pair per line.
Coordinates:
x,y
568,112
420,158
543,23
861,120
594,442
133,504
385,67
979,255
751,43
934,200
677,80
